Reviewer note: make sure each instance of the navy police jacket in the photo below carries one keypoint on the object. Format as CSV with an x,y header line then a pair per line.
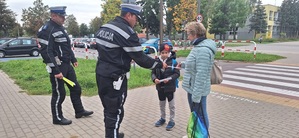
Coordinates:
x,y
117,45
54,42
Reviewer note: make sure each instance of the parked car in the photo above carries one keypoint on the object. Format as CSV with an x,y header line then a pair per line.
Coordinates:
x,y
19,46
155,42
80,42
3,40
142,40
93,43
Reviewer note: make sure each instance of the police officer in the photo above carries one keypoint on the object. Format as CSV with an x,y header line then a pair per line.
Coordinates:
x,y
58,56
117,45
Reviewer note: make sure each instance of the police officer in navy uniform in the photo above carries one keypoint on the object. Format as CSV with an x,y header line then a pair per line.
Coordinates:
x,y
117,45
55,49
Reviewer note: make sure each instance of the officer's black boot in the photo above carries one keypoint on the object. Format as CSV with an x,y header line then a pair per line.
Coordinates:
x,y
121,135
84,113
63,121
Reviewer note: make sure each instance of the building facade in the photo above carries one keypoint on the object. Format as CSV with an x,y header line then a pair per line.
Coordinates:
x,y
272,12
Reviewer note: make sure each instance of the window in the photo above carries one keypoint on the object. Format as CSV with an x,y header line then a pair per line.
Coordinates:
x,y
275,16
274,28
271,15
27,42
15,42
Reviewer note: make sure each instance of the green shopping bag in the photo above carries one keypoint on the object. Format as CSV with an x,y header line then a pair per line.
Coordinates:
x,y
196,127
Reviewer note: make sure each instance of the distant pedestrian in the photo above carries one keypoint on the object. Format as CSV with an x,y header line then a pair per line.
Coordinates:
x,y
261,39
166,81
58,56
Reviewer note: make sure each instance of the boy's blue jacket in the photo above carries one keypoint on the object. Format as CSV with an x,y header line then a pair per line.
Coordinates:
x,y
168,72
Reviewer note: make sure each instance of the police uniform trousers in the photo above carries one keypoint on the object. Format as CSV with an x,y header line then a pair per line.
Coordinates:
x,y
112,101
58,91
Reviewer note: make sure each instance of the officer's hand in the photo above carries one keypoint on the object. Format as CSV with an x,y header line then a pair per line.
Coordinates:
x,y
75,64
164,65
58,76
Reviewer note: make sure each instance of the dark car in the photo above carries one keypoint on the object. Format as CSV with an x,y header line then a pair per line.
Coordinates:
x,y
3,40
19,46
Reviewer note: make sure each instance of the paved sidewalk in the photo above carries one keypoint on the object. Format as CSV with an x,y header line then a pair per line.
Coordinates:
x,y
23,115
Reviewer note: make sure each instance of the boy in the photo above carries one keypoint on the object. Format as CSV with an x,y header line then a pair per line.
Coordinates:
x,y
166,82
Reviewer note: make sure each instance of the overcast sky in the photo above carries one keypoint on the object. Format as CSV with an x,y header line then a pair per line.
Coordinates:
x,y
84,11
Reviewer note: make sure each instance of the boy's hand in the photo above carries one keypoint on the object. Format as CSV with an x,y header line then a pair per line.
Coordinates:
x,y
165,81
157,81
164,65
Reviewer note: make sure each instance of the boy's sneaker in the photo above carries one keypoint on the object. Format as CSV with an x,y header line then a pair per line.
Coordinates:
x,y
160,122
170,125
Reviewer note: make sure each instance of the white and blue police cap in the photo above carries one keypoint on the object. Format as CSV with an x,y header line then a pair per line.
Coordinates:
x,y
60,10
132,8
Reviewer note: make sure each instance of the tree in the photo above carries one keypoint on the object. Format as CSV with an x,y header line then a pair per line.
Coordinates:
x,y
83,30
35,17
16,31
238,13
219,23
95,25
289,18
7,19
258,21
150,17
185,11
71,25
169,16
111,8
228,15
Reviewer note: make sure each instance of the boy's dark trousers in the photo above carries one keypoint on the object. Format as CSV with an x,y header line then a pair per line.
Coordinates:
x,y
58,91
162,98
112,101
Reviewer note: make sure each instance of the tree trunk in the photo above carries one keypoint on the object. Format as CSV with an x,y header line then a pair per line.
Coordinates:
x,y
234,33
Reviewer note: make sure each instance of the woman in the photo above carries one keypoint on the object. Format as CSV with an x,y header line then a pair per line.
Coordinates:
x,y
198,64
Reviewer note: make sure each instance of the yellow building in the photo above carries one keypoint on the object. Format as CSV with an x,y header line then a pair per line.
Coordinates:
x,y
272,16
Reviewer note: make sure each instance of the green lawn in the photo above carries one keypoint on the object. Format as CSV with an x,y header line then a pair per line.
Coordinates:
x,y
31,75
238,56
237,44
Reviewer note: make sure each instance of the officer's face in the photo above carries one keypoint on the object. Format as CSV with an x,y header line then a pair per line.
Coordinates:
x,y
58,19
133,20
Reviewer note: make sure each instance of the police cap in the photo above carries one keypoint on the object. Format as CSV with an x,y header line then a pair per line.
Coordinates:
x,y
132,8
60,10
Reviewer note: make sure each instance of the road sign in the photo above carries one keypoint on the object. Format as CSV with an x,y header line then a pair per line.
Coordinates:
x,y
199,18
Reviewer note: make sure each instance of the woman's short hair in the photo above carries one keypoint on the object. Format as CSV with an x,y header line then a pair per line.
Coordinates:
x,y
195,28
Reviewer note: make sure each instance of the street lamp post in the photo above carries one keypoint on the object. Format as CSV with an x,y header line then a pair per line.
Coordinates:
x,y
161,21
198,6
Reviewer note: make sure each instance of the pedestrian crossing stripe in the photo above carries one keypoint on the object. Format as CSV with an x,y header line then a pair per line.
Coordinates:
x,y
279,66
270,72
275,69
262,81
262,88
263,75
279,79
